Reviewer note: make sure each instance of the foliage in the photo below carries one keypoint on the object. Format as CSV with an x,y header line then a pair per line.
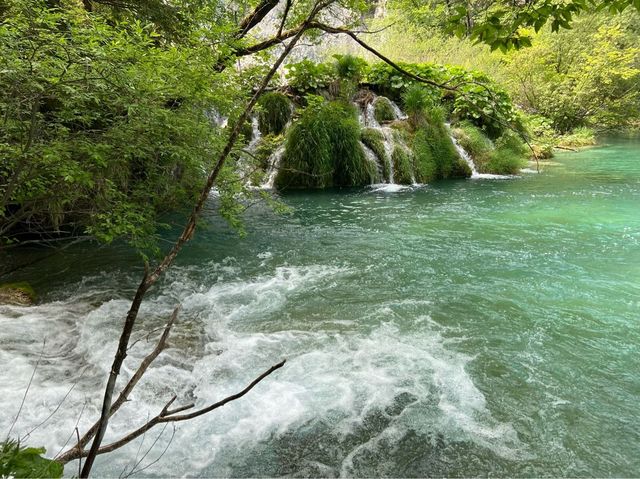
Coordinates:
x,y
475,96
416,101
509,156
503,24
589,76
103,116
27,462
307,76
275,112
323,149
579,137
375,141
350,67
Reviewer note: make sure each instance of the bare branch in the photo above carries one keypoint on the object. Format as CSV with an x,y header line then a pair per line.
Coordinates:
x,y
124,394
255,17
166,415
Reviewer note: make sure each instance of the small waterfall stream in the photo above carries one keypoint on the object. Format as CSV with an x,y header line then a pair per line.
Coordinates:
x,y
369,121
274,165
475,174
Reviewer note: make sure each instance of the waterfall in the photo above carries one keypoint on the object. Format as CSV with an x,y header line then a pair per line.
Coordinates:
x,y
256,134
274,164
387,133
217,118
475,174
372,158
465,156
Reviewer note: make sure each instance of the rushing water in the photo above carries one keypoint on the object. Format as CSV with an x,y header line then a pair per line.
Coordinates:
x,y
486,327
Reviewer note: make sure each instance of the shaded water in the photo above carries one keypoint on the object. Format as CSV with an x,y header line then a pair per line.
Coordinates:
x,y
486,327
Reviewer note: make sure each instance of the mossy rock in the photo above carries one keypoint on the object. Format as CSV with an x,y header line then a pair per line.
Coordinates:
x,y
275,112
435,153
323,149
375,141
402,166
383,110
19,294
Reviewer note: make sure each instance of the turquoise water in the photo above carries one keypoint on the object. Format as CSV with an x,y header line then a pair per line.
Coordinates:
x,y
477,327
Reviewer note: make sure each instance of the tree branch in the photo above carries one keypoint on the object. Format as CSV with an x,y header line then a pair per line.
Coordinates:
x,y
150,279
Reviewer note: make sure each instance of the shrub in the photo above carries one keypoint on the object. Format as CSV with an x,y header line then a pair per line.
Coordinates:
x,y
436,156
323,149
307,76
579,137
417,101
383,110
275,112
349,67
509,156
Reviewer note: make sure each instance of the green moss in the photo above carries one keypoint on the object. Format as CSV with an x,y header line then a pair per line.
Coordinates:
x,y
17,293
375,141
323,149
383,110
275,112
402,165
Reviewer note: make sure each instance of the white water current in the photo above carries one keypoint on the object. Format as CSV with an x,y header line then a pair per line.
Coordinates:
x,y
231,330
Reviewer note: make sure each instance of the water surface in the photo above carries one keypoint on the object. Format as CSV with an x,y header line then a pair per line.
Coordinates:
x,y
476,327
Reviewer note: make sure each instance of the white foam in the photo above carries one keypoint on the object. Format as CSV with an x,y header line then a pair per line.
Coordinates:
x,y
339,376
389,187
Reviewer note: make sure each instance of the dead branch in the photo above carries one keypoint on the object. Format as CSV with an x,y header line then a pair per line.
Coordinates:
x,y
167,415
124,394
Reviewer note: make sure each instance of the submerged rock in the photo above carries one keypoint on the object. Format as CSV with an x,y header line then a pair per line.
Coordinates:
x,y
18,294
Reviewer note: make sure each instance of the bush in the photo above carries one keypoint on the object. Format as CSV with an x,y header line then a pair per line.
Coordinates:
x,y
509,156
274,113
436,156
579,137
323,149
307,76
383,110
349,67
417,101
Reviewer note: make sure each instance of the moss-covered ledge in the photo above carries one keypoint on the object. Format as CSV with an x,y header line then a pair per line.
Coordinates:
x,y
18,294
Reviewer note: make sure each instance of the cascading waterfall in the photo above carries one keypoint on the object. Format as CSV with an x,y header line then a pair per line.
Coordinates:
x,y
256,134
465,156
274,164
369,121
475,174
372,158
